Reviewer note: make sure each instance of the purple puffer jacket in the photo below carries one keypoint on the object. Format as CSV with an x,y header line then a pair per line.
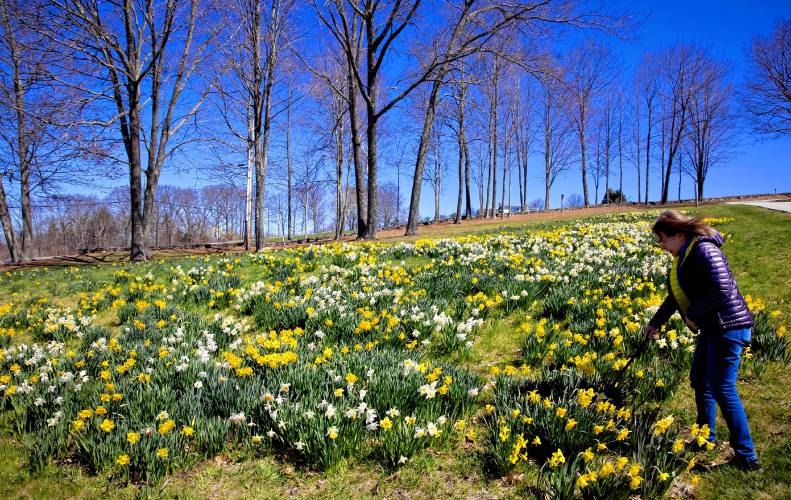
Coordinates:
x,y
715,302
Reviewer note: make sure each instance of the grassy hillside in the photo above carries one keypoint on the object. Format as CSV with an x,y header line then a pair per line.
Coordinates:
x,y
756,248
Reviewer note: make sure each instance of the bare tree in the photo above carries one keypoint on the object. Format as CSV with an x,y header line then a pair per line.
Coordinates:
x,y
436,170
143,56
588,70
388,197
620,106
558,138
606,131
346,28
222,203
471,28
382,23
38,153
767,93
479,177
679,68
536,204
261,82
8,226
491,89
597,167
648,89
574,201
289,165
512,102
308,182
634,138
335,92
340,201
523,137
459,127
712,122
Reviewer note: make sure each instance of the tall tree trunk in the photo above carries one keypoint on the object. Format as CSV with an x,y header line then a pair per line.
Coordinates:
x,y
398,194
460,198
27,223
132,143
607,145
547,143
305,218
289,169
437,183
495,102
464,152
420,160
525,156
680,174
584,169
596,177
8,227
354,130
467,177
373,211
505,173
620,153
518,152
674,139
339,208
519,175
23,251
248,197
662,197
263,149
637,154
464,159
425,135
485,212
648,154
481,201
510,185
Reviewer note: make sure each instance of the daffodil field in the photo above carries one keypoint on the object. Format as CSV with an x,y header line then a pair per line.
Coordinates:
x,y
327,354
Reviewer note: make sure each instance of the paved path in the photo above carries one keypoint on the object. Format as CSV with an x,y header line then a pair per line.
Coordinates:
x,y
782,206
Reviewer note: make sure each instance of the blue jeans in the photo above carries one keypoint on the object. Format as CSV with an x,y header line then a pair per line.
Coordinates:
x,y
715,366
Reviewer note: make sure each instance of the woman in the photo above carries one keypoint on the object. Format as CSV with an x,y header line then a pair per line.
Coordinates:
x,y
703,290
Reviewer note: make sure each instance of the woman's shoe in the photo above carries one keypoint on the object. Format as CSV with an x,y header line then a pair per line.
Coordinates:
x,y
744,465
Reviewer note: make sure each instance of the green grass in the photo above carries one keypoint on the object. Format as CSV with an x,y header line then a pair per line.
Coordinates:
x,y
759,256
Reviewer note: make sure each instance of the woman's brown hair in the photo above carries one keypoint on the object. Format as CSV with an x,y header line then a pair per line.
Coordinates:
x,y
671,223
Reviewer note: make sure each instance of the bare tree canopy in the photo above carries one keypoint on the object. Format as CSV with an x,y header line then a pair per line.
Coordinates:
x,y
712,122
767,96
588,71
40,134
136,60
558,135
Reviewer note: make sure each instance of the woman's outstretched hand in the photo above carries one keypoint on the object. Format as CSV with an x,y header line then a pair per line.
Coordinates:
x,y
651,332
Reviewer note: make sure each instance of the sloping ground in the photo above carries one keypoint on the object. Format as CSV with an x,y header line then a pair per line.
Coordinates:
x,y
759,255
